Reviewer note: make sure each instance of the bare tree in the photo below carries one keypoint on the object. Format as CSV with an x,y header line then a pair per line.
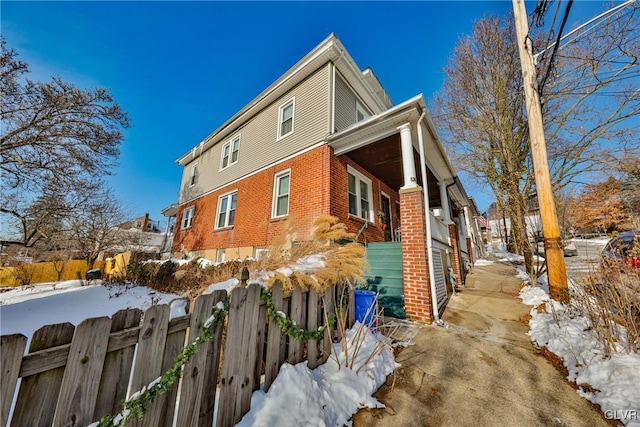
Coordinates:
x,y
54,138
93,226
586,106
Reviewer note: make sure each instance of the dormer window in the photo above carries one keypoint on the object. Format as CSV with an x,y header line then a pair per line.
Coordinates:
x,y
194,175
361,112
285,118
230,152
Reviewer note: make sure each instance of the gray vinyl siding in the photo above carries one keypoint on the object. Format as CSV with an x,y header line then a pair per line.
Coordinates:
x,y
259,146
345,113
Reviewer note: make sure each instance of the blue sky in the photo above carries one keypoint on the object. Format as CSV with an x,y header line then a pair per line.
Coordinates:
x,y
181,69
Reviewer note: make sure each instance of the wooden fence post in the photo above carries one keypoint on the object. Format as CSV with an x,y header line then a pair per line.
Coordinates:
x,y
11,351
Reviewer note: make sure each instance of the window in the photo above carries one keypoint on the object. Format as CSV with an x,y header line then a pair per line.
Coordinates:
x,y
230,152
285,118
359,195
187,217
361,112
281,194
194,175
226,210
221,256
261,253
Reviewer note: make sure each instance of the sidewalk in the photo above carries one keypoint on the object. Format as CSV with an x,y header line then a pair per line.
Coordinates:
x,y
482,370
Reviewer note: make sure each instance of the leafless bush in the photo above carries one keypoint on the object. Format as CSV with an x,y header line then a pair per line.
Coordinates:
x,y
611,300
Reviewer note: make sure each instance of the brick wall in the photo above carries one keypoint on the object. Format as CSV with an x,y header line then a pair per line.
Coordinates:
x,y
254,226
457,266
318,186
339,205
417,291
470,250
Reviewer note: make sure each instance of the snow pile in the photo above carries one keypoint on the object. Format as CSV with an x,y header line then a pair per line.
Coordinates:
x,y
613,380
24,310
326,396
481,262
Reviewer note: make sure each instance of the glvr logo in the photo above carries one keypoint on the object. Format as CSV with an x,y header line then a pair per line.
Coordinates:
x,y
622,414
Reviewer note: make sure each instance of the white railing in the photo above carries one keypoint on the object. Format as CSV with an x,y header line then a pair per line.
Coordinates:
x,y
439,230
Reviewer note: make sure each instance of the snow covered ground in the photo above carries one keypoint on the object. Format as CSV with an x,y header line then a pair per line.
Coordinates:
x,y
327,395
614,380
24,310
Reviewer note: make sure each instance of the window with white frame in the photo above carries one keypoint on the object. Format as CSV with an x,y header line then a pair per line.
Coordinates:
x,y
230,152
360,195
260,253
361,112
285,118
194,175
221,256
187,217
281,187
226,214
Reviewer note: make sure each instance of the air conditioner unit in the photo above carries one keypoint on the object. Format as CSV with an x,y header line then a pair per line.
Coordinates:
x,y
438,213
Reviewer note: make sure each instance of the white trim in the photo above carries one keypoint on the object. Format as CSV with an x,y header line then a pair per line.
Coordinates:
x,y
191,209
230,143
332,101
274,202
194,175
229,195
361,178
385,195
361,109
281,109
257,171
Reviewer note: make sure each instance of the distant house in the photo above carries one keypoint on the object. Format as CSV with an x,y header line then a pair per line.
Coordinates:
x,y
140,235
325,138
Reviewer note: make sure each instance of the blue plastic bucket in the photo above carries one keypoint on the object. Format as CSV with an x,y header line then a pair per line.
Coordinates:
x,y
363,301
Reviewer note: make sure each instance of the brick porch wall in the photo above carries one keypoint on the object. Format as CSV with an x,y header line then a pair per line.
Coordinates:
x,y
470,251
415,263
457,264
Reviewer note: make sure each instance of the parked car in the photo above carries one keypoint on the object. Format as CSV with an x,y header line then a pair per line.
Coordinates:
x,y
624,247
568,250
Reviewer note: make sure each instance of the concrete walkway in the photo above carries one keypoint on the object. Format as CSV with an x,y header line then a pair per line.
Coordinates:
x,y
482,370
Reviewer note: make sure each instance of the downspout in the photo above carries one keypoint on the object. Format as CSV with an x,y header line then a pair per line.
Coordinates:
x,y
427,214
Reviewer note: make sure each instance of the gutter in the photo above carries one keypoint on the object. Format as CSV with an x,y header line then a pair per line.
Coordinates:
x,y
427,212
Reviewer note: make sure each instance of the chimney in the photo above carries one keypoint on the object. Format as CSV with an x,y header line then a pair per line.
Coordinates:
x,y
145,221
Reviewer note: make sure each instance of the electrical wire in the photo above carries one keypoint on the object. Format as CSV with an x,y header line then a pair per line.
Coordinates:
x,y
555,48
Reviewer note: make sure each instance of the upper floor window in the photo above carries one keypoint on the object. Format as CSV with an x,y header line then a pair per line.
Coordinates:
x,y
230,152
285,118
360,195
187,217
281,194
226,210
194,175
361,112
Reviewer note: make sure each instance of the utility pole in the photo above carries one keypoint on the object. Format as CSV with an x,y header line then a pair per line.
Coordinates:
x,y
553,246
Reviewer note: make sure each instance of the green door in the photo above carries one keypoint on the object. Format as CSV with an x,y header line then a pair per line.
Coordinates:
x,y
385,276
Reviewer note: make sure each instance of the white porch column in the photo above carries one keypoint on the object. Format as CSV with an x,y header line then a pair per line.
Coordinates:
x,y
408,164
444,201
467,227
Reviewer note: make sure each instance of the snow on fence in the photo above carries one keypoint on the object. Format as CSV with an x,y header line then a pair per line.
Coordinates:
x,y
72,376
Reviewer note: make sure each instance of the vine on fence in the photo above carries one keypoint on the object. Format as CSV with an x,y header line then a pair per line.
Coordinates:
x,y
288,325
136,405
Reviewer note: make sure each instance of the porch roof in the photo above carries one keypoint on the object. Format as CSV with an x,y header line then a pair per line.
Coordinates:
x,y
384,126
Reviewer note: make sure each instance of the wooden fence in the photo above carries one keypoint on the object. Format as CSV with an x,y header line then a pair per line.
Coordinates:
x,y
73,376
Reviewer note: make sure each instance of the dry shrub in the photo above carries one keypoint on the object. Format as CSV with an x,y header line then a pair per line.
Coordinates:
x,y
344,264
611,300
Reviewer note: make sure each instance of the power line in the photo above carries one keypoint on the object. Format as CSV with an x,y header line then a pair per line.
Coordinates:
x,y
555,48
